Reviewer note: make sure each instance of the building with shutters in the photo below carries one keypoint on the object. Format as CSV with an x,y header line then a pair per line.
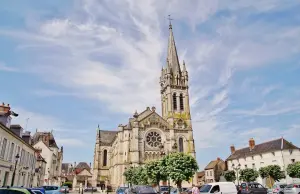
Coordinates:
x,y
275,152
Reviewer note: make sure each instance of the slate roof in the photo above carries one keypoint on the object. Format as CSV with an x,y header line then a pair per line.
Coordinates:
x,y
39,136
212,164
201,174
83,165
107,136
269,146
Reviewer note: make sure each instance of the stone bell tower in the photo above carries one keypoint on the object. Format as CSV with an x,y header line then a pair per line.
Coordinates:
x,y
174,89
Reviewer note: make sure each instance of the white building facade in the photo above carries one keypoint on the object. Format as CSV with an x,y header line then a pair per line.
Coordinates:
x,y
14,149
148,135
53,156
276,152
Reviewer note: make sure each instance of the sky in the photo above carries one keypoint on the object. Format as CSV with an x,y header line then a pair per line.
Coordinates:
x,y
71,65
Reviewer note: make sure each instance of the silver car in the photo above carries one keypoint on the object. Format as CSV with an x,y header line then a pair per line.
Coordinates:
x,y
292,189
278,188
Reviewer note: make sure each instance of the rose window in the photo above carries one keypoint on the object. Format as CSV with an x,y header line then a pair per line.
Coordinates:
x,y
153,139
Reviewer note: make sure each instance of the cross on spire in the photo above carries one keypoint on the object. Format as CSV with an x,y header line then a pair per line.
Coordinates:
x,y
170,19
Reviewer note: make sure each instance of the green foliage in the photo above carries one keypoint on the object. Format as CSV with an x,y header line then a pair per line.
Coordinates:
x,y
293,170
230,176
264,172
129,173
141,177
274,171
136,175
69,184
180,167
248,175
156,171
176,166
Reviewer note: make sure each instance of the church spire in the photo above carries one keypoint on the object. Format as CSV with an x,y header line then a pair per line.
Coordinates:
x,y
172,53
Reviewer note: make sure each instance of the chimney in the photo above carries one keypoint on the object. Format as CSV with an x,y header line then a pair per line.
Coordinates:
x,y
232,149
26,137
5,113
218,159
90,165
251,144
17,129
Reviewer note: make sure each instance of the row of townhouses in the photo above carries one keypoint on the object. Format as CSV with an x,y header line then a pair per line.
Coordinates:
x,y
275,152
26,160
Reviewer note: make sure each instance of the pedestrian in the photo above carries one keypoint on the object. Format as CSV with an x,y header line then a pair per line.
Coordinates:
x,y
195,190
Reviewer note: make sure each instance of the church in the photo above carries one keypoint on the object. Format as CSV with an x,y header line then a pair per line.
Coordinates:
x,y
148,135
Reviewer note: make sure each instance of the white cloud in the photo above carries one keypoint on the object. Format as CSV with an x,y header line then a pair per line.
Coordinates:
x,y
35,120
71,142
4,67
112,51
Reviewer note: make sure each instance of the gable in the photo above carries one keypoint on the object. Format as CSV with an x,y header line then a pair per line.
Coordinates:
x,y
84,172
154,120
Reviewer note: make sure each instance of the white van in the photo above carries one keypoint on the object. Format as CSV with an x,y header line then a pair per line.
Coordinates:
x,y
219,188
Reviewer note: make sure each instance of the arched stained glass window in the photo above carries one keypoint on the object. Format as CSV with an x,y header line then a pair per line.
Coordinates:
x,y
174,101
105,158
181,102
180,144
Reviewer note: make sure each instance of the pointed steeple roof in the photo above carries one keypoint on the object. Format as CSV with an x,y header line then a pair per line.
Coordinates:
x,y
172,53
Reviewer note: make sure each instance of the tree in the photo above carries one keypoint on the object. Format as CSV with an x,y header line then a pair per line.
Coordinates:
x,y
293,170
264,172
180,167
248,174
129,175
275,172
136,175
230,176
272,171
140,176
156,171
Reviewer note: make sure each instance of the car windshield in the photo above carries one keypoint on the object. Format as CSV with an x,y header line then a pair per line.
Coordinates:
x,y
164,189
49,188
289,186
243,185
205,189
121,190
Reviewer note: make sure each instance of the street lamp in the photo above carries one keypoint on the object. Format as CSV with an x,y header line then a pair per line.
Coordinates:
x,y
237,171
14,173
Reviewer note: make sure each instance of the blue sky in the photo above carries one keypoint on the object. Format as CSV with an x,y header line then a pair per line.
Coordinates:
x,y
71,65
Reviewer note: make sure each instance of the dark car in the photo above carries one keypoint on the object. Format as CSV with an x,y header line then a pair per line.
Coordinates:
x,y
252,188
142,189
90,189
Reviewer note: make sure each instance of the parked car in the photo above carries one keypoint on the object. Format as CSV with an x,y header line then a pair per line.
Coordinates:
x,y
11,190
90,189
142,189
121,190
52,189
33,190
253,188
164,189
278,188
64,189
219,187
292,189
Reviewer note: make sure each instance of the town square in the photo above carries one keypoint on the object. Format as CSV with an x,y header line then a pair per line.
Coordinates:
x,y
148,97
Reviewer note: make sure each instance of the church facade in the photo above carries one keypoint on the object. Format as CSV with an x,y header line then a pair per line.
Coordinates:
x,y
148,135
